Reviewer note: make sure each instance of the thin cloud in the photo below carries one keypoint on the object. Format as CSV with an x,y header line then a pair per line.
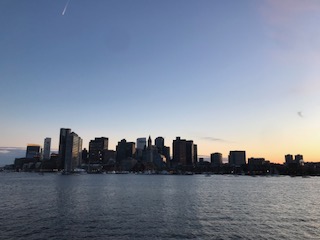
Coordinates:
x,y
213,139
11,150
4,151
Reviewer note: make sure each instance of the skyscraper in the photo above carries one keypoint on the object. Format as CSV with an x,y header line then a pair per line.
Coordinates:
x,y
179,151
195,153
62,144
159,142
184,152
46,148
125,150
70,147
189,152
73,152
141,143
97,148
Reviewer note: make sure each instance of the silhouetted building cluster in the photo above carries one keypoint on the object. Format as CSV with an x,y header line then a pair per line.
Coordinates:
x,y
143,156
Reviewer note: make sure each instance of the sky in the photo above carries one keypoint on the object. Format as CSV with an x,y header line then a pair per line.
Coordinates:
x,y
227,74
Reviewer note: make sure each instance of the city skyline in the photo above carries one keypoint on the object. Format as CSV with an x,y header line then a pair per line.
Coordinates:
x,y
227,74
159,142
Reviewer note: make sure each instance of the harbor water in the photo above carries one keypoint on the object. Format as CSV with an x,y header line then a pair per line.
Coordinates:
x,y
129,206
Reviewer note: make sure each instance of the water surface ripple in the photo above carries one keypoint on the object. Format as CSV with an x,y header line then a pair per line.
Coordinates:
x,y
131,206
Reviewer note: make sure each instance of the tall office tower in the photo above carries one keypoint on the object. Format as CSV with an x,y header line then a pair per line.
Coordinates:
x,y
46,148
84,155
179,151
33,150
195,153
73,151
159,142
62,144
131,149
237,158
166,153
189,152
288,158
216,159
124,150
97,148
141,143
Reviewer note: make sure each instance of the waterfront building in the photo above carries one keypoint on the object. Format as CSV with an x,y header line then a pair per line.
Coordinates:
x,y
46,148
256,161
33,150
179,151
70,148
97,148
189,152
184,152
195,154
237,158
259,166
288,159
73,152
216,159
298,159
62,144
125,150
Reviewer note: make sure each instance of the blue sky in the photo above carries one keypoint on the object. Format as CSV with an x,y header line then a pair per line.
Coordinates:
x,y
227,74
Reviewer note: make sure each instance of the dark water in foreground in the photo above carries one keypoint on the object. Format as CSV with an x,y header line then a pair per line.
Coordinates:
x,y
158,207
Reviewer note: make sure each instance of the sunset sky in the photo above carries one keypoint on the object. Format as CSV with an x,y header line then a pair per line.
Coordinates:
x,y
228,74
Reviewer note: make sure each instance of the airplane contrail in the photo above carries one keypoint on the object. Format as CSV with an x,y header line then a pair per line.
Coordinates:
x,y
65,8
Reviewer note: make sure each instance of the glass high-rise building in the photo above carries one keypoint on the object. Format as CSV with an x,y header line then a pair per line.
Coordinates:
x,y
73,152
70,148
62,144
